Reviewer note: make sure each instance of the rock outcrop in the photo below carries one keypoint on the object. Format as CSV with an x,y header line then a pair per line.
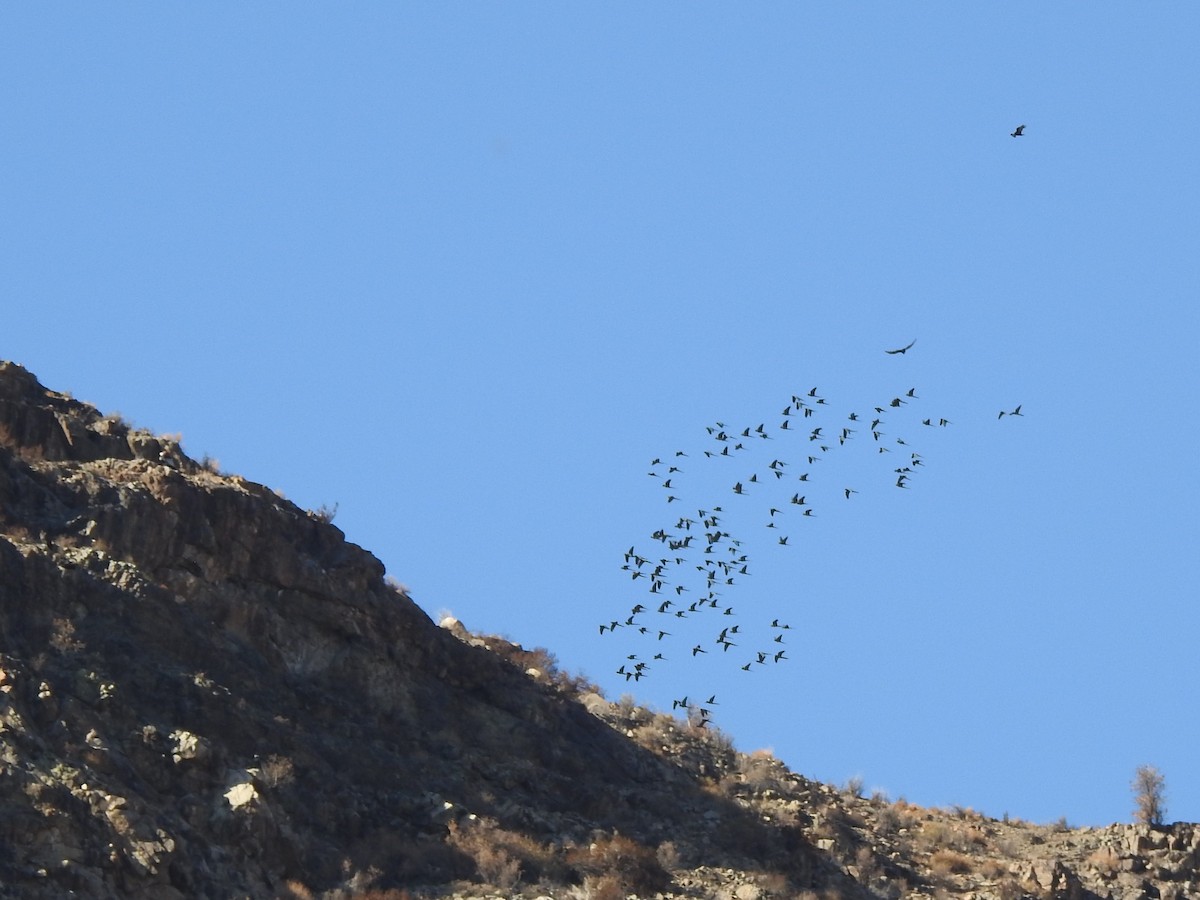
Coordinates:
x,y
207,692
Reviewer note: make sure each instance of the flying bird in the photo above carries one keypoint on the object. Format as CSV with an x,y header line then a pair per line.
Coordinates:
x,y
1020,132
906,349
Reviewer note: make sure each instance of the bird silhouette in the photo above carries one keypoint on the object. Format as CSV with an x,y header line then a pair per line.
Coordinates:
x,y
905,349
1020,132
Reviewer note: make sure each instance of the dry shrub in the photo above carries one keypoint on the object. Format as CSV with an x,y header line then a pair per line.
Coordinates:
x,y
839,824
1106,860
1149,794
296,890
938,835
503,857
993,869
975,837
760,772
635,867
867,864
890,819
774,883
497,868
278,771
649,736
62,636
483,841
603,887
668,855
950,862
544,661
324,513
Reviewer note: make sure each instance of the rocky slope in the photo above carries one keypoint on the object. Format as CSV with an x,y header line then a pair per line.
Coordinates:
x,y
206,691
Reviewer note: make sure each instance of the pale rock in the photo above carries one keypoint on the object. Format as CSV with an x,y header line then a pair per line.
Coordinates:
x,y
188,746
241,794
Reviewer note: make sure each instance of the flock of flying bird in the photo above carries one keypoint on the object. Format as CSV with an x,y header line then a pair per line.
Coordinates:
x,y
697,562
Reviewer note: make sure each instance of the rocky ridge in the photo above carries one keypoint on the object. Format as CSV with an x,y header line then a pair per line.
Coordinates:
x,y
206,691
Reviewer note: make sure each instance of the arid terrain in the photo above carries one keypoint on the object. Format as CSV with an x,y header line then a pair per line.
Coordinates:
x,y
207,692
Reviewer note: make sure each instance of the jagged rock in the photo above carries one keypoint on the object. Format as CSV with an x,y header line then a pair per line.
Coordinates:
x,y
1056,880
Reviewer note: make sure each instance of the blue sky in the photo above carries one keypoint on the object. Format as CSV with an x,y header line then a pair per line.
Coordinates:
x,y
465,270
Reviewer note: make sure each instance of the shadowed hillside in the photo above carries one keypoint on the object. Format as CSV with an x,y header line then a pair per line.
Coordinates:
x,y
206,691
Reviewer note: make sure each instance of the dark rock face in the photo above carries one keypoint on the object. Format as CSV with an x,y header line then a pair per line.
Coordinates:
x,y
206,691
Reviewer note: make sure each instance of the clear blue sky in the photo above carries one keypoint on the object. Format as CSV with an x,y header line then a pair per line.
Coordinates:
x,y
464,270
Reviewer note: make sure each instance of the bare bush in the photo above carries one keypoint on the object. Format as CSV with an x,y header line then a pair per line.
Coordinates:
x,y
867,865
505,858
483,842
62,636
668,855
324,513
278,771
1149,796
889,820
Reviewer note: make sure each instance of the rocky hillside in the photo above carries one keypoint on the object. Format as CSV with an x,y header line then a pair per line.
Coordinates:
x,y
206,691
